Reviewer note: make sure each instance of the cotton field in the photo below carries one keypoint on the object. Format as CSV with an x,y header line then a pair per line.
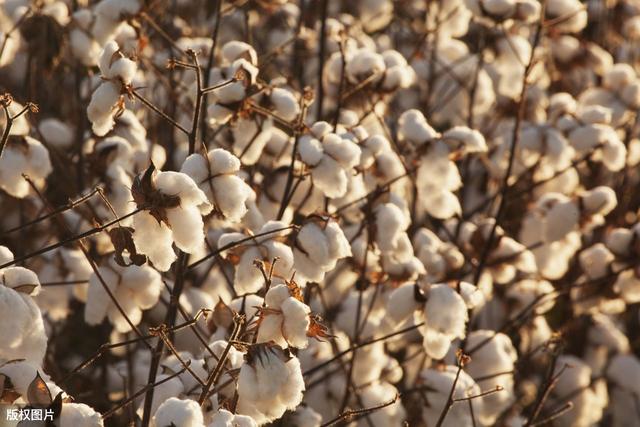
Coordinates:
x,y
314,213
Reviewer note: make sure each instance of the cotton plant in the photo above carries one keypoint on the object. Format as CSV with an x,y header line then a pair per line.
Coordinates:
x,y
23,330
65,265
455,56
269,383
440,384
216,174
554,223
492,353
23,155
172,207
438,175
318,246
117,72
508,10
134,288
285,319
330,158
30,385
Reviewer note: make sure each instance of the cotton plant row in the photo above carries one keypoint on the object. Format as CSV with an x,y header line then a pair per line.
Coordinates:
x,y
378,214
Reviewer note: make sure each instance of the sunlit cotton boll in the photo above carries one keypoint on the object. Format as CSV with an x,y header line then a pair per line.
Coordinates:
x,y
317,248
21,325
445,314
285,319
175,412
182,224
270,382
134,288
217,176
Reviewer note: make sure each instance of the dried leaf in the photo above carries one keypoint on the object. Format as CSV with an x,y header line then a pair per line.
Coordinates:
x,y
122,240
38,393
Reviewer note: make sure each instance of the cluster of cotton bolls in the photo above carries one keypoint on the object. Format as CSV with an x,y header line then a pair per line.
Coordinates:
x,y
367,213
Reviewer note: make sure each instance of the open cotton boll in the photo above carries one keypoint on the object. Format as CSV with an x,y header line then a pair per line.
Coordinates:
x,y
5,255
22,373
56,132
79,415
21,325
154,240
439,385
224,418
364,64
378,394
331,158
403,302
117,72
285,320
573,12
496,355
413,127
236,49
471,140
270,382
317,249
390,224
445,314
169,388
599,200
596,261
135,288
217,177
175,412
102,106
23,155
285,103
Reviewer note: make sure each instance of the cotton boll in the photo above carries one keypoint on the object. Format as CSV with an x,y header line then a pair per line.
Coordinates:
x,y
178,413
56,133
286,319
269,383
23,155
364,64
187,228
471,140
285,103
440,383
402,302
235,49
168,389
217,177
445,317
614,155
414,127
21,323
600,200
224,418
79,415
154,240
497,355
5,255
572,12
101,108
